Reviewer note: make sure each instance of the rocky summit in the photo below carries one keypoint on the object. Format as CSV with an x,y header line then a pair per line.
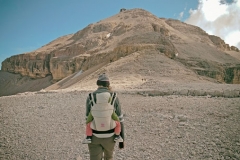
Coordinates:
x,y
130,32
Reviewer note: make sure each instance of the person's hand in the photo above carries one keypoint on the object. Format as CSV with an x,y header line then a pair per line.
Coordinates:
x,y
121,145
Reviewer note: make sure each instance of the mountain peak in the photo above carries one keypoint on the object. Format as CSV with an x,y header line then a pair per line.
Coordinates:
x,y
128,32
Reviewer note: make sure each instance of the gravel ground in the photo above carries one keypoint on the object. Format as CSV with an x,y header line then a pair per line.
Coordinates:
x,y
51,126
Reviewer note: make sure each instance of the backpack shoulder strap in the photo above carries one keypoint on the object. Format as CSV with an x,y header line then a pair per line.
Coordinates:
x,y
113,98
91,98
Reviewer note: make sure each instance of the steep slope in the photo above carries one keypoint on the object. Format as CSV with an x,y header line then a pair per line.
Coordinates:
x,y
142,70
208,55
15,83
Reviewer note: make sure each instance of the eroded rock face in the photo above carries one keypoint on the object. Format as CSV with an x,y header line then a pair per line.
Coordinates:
x,y
34,66
226,74
232,75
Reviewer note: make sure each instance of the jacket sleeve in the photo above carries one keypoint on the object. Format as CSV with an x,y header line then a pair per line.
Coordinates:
x,y
118,111
88,107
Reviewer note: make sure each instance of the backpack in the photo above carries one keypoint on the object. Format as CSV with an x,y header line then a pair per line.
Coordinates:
x,y
102,110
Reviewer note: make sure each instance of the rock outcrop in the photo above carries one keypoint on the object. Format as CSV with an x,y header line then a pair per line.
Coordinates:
x,y
34,66
221,44
120,35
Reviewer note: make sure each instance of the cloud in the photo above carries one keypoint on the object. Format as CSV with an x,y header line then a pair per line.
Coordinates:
x,y
218,17
180,15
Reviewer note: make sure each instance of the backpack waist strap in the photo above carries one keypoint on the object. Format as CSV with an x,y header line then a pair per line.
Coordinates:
x,y
103,132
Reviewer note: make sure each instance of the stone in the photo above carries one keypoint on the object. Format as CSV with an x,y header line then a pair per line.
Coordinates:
x,y
122,9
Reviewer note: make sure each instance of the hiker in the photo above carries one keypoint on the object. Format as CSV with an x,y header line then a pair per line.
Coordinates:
x,y
104,107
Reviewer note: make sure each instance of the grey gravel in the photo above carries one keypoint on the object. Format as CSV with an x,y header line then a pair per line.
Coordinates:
x,y
51,126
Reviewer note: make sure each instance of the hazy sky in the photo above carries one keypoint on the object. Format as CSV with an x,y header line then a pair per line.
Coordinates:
x,y
26,25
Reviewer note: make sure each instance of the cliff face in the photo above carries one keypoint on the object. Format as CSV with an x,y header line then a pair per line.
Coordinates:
x,y
34,66
120,35
228,74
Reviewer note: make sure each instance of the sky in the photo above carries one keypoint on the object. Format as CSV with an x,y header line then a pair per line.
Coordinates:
x,y
218,17
26,25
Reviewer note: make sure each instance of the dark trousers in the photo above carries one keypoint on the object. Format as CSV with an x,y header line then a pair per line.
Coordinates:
x,y
100,145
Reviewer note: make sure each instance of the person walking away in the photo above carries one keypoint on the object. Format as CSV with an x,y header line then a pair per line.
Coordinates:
x,y
100,105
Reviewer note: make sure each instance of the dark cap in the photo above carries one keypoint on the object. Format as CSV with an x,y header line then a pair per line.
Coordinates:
x,y
103,80
103,77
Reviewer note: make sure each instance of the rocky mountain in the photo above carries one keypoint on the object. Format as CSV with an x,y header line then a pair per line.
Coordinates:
x,y
137,32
